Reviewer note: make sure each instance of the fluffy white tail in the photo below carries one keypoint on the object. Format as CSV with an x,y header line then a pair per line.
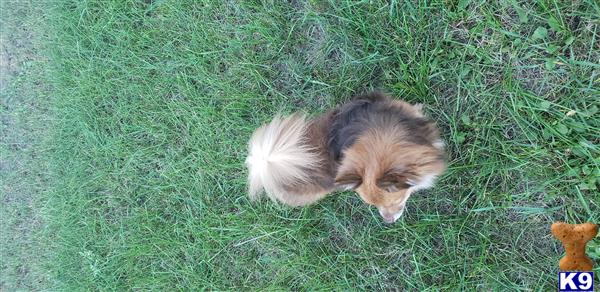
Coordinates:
x,y
279,157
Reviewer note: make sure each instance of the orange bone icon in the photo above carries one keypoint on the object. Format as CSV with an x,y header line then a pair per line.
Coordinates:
x,y
574,237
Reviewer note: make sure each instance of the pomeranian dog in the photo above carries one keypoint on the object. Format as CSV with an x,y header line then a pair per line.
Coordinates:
x,y
384,149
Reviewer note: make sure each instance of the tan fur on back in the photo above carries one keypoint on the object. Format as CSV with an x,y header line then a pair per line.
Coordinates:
x,y
382,149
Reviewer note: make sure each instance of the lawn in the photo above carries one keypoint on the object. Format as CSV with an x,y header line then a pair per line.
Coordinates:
x,y
148,106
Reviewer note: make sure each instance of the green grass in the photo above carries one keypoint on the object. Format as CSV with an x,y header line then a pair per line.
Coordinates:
x,y
153,102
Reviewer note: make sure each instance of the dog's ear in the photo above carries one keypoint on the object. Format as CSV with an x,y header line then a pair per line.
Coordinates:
x,y
396,179
348,180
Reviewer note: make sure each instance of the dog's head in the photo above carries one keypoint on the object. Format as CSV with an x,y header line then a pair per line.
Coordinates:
x,y
385,171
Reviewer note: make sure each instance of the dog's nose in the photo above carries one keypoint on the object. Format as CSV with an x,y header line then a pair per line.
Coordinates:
x,y
389,219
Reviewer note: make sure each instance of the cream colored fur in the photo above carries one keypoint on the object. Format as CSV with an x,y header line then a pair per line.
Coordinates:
x,y
279,156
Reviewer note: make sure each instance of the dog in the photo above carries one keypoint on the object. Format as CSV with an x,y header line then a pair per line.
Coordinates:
x,y
384,149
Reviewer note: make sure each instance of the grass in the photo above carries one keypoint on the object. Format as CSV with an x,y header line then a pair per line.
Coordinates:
x,y
24,101
152,104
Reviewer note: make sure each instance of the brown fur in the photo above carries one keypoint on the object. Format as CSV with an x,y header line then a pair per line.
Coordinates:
x,y
383,169
384,149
